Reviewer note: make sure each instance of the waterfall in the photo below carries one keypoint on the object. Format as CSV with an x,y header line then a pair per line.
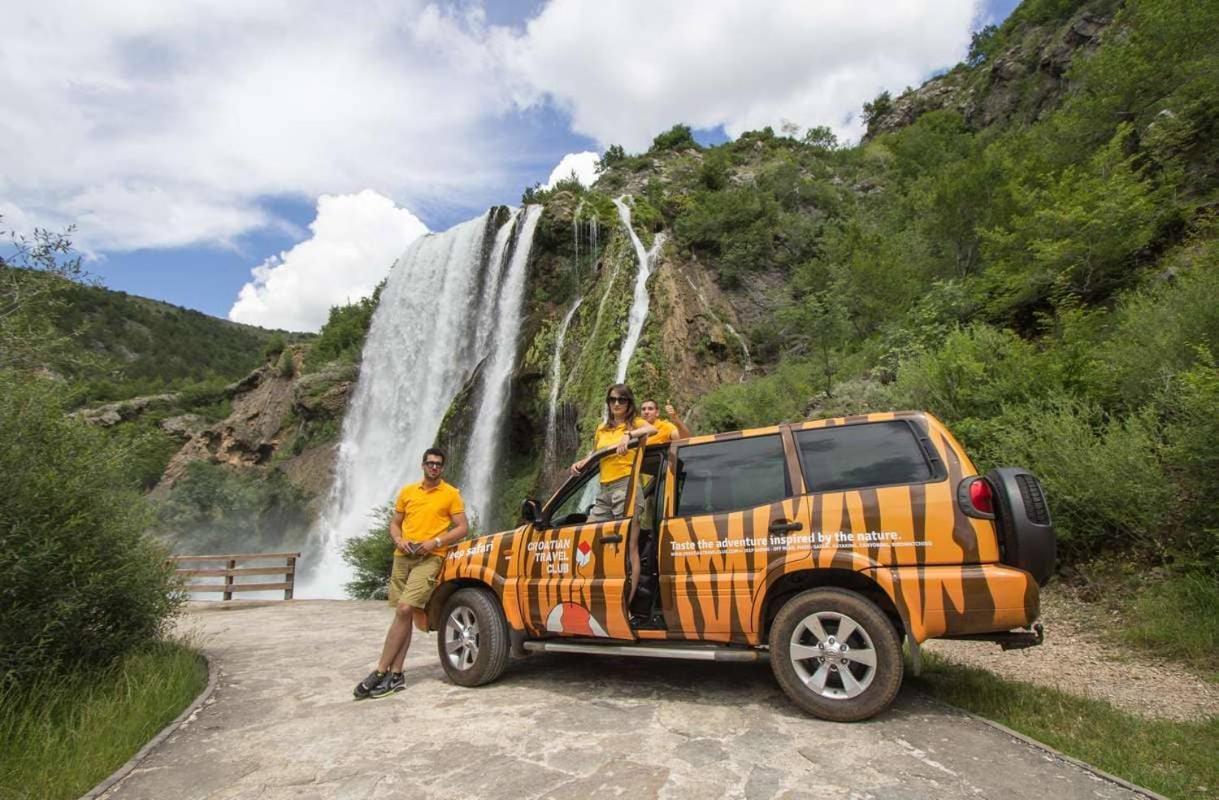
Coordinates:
x,y
422,346
482,452
556,375
639,304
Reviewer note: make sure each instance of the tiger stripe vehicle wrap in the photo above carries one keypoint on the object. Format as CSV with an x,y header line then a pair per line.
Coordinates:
x,y
725,554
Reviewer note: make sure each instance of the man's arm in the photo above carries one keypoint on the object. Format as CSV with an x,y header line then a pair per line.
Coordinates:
x,y
682,430
454,534
395,531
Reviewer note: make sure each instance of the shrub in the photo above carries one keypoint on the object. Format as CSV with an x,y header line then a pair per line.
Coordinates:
x,y
676,138
371,556
973,376
342,337
80,583
1106,485
275,345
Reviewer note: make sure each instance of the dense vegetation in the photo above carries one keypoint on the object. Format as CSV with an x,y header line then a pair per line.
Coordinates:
x,y
81,585
1048,289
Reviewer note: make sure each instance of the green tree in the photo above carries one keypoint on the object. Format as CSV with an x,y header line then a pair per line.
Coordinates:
x,y
876,108
679,137
1075,233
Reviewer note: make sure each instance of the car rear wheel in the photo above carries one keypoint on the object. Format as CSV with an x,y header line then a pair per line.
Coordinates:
x,y
473,637
836,654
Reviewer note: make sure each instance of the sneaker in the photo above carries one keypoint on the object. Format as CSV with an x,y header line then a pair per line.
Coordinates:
x,y
389,684
365,687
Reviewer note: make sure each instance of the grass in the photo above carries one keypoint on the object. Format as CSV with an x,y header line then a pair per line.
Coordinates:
x,y
61,737
1178,618
1176,759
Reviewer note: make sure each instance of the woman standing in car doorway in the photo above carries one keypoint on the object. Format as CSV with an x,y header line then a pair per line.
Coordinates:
x,y
622,424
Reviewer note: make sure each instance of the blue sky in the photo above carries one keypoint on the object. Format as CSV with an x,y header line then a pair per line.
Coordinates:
x,y
194,145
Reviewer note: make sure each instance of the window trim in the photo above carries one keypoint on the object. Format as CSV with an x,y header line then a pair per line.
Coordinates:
x,y
563,493
788,484
922,439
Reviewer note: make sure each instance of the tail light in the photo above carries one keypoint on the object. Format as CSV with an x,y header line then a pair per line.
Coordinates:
x,y
980,496
976,498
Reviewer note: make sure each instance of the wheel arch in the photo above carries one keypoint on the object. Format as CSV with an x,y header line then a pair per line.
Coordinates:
x,y
793,583
446,590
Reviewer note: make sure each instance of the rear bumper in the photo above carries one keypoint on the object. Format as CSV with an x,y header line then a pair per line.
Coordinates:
x,y
960,600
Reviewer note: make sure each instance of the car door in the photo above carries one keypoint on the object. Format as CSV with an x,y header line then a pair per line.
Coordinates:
x,y
730,512
573,581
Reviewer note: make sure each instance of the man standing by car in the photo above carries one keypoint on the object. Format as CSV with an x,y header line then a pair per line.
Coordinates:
x,y
428,517
666,430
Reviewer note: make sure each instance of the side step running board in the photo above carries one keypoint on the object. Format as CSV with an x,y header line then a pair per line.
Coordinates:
x,y
698,653
1009,640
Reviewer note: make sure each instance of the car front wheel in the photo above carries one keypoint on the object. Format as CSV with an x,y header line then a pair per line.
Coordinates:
x,y
836,654
473,637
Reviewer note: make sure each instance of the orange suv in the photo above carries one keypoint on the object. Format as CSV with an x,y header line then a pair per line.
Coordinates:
x,y
821,544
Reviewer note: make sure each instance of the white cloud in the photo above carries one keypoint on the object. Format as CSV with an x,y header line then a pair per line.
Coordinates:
x,y
583,165
155,124
627,70
356,238
162,124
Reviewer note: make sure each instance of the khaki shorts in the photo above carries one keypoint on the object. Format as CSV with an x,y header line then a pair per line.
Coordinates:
x,y
413,579
611,502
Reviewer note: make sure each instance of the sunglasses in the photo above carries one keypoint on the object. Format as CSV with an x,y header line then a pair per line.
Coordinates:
x,y
617,400
434,464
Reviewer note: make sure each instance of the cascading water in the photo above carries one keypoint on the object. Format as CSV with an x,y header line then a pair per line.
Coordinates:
x,y
556,375
482,452
422,346
639,304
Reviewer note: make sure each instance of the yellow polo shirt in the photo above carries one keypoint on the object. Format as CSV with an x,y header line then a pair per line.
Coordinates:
x,y
428,512
665,432
615,467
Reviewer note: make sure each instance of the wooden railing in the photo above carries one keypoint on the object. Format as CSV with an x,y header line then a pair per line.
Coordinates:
x,y
231,571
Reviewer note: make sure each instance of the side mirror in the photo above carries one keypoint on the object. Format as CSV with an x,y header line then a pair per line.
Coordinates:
x,y
530,511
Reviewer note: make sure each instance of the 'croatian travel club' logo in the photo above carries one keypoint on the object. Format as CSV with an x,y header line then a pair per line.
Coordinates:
x,y
584,554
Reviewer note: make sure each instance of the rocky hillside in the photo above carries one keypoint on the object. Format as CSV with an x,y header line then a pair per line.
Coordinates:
x,y
1013,245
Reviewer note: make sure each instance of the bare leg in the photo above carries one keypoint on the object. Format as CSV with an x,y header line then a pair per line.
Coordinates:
x,y
421,620
397,640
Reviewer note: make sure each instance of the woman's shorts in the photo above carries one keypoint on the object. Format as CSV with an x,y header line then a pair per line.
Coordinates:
x,y
611,502
413,579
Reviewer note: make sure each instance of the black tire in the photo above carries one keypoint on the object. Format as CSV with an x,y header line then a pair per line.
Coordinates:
x,y
472,638
812,678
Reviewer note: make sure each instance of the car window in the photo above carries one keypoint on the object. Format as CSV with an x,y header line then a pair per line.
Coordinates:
x,y
576,504
727,476
868,454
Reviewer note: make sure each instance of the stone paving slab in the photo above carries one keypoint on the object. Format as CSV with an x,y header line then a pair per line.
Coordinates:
x,y
282,724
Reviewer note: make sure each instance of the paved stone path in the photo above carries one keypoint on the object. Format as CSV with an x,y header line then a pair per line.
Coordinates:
x,y
282,724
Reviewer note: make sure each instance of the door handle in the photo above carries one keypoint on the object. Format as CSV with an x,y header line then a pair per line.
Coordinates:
x,y
613,538
783,526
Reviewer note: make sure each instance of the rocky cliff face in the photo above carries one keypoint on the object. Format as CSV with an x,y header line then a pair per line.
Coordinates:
x,y
1019,84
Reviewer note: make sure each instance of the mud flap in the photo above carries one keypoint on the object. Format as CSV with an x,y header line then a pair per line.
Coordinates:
x,y
916,656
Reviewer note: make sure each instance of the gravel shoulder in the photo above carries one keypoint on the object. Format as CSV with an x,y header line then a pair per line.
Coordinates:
x,y
1078,659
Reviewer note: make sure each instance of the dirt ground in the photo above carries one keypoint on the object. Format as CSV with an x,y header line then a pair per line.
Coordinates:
x,y
1079,659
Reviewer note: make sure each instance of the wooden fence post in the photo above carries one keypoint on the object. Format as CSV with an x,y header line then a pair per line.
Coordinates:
x,y
291,578
228,580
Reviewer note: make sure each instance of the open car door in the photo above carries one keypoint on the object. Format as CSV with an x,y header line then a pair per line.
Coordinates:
x,y
574,580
